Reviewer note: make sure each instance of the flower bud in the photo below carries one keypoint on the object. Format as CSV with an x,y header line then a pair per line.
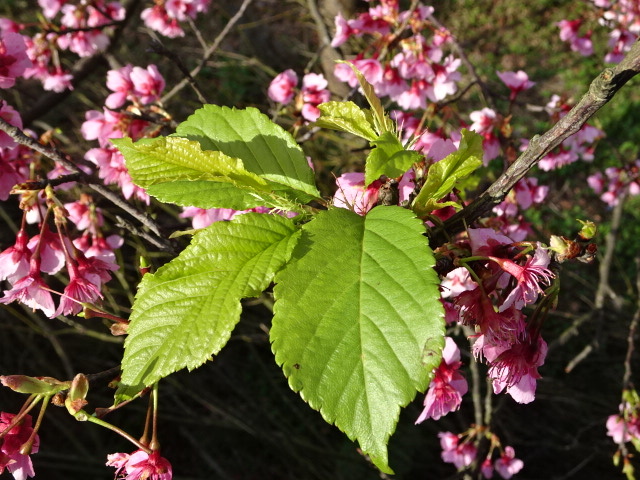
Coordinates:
x,y
33,385
75,400
588,230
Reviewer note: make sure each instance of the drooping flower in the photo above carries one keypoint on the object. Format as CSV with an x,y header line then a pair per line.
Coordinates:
x,y
528,276
14,261
10,457
515,368
140,465
516,81
31,290
13,58
460,454
508,465
79,290
447,387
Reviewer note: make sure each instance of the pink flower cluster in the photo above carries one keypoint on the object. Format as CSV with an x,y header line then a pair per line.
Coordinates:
x,y
579,146
13,58
353,195
415,69
625,426
14,158
461,452
313,92
621,17
569,33
88,260
447,387
504,280
165,16
81,29
11,443
140,465
616,180
142,88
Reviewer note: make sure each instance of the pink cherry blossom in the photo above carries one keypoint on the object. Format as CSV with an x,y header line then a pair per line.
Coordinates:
x,y
156,18
507,465
94,269
17,463
100,248
486,468
50,250
282,87
140,465
79,290
515,367
447,387
57,80
9,115
487,242
516,81
618,429
314,92
14,261
148,84
50,8
457,281
528,276
203,217
460,454
31,291
343,31
13,58
353,195
84,214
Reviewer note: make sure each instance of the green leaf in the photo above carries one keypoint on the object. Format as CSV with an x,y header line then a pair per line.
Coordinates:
x,y
177,170
358,325
264,147
389,158
185,312
381,122
346,117
443,175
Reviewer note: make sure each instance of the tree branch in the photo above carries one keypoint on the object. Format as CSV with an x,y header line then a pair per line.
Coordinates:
x,y
58,157
209,52
601,90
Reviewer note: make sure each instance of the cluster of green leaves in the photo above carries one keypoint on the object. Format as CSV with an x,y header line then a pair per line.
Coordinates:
x,y
358,326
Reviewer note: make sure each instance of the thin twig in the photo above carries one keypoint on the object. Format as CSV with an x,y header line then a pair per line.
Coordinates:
x,y
606,263
486,94
58,157
157,47
628,371
209,52
601,90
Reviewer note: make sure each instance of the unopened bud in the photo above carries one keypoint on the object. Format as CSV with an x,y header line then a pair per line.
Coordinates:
x,y
588,230
75,400
33,385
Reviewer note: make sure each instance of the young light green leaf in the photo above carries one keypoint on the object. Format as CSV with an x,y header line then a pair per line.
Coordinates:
x,y
389,157
381,122
346,117
185,312
443,175
265,148
177,170
358,325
